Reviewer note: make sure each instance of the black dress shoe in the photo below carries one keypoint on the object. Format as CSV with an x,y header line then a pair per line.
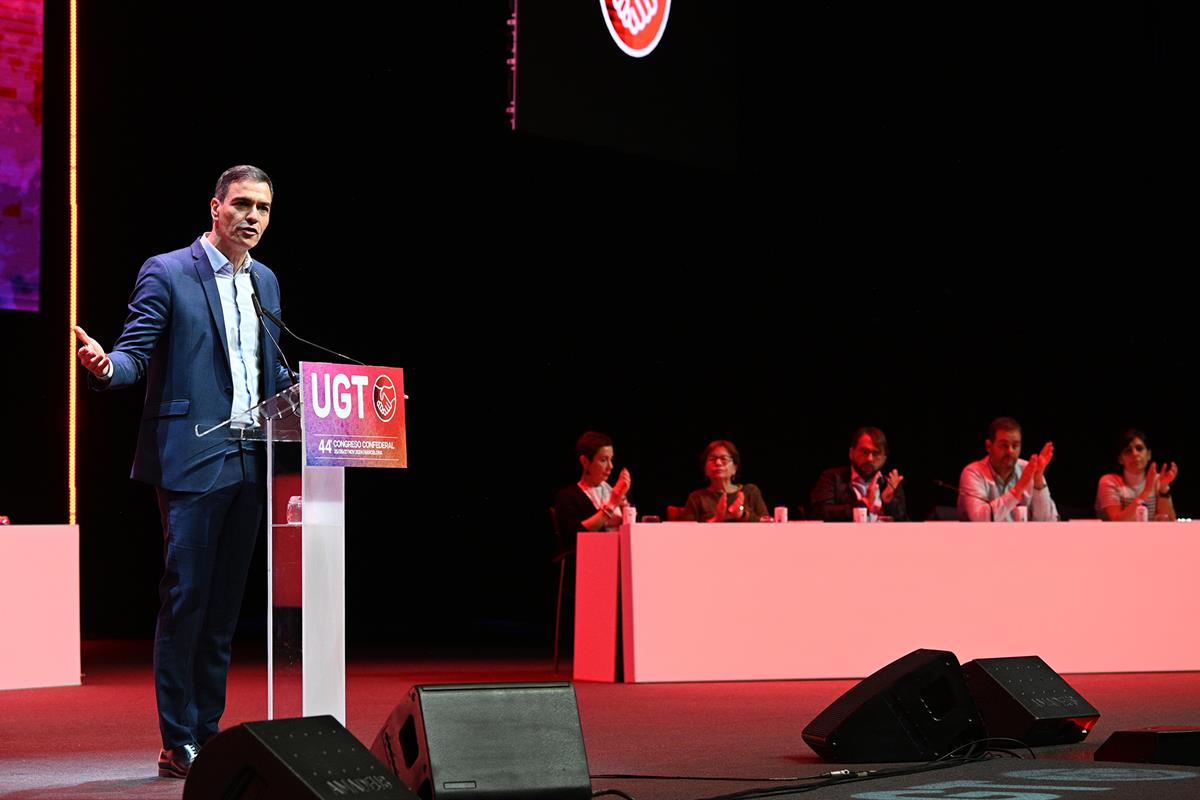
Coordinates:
x,y
176,762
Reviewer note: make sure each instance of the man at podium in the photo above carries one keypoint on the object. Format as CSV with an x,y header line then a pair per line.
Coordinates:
x,y
193,333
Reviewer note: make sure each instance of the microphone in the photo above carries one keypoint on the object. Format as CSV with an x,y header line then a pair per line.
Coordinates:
x,y
956,490
262,312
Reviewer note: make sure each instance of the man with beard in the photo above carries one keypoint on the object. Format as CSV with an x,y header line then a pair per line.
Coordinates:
x,y
992,487
861,484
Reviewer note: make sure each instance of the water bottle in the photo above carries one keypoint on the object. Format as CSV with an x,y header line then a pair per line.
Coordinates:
x,y
295,510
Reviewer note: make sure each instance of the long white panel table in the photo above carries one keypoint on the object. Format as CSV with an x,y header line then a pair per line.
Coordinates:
x,y
810,600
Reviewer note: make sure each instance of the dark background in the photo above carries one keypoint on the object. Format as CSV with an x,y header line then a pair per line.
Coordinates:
x,y
679,102
935,215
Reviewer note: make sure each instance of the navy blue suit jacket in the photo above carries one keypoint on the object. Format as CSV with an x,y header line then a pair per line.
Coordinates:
x,y
174,337
833,498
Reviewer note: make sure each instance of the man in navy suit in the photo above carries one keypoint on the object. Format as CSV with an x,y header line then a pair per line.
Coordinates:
x,y
861,484
193,334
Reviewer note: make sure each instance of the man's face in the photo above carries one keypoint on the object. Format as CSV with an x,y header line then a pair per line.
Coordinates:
x,y
866,457
1004,450
241,218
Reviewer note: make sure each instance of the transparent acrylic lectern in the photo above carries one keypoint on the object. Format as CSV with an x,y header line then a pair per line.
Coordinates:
x,y
306,563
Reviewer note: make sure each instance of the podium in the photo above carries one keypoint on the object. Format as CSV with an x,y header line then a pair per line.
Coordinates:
x,y
340,415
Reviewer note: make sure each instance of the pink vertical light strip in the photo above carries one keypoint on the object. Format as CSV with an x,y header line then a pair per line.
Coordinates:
x,y
512,68
73,302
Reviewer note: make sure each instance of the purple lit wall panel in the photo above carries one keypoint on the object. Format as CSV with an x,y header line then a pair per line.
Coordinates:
x,y
21,25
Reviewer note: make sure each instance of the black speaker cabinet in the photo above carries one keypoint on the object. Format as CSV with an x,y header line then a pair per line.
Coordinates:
x,y
311,758
915,709
494,741
1161,744
1022,698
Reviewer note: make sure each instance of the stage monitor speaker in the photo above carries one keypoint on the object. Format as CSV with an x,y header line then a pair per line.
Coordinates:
x,y
310,758
915,709
488,741
1022,698
1161,744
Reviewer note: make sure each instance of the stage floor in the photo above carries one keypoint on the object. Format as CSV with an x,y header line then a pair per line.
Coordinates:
x,y
100,740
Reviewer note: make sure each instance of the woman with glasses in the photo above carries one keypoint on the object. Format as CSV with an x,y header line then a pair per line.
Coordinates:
x,y
723,500
1140,482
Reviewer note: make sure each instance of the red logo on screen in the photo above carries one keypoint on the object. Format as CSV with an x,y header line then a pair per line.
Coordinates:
x,y
383,397
636,25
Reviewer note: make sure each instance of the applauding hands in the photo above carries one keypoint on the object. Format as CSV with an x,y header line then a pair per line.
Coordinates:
x,y
730,510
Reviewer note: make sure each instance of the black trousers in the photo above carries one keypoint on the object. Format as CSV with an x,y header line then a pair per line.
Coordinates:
x,y
208,542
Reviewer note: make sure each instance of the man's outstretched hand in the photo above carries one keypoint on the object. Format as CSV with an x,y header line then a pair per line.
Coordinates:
x,y
91,354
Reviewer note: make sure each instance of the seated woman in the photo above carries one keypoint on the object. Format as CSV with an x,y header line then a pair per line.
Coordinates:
x,y
592,504
724,500
1118,496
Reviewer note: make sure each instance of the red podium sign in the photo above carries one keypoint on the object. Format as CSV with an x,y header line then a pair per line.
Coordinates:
x,y
353,415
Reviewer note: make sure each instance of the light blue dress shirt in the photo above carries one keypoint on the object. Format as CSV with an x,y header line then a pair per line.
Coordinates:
x,y
241,327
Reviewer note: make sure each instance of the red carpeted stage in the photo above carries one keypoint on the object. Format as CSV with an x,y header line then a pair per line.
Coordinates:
x,y
100,740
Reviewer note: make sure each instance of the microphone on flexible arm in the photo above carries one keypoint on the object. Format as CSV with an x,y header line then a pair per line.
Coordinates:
x,y
956,490
262,312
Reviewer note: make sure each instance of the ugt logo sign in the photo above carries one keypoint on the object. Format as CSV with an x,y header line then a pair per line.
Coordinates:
x,y
636,25
383,395
335,394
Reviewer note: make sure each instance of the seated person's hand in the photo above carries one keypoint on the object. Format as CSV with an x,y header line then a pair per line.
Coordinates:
x,y
1165,477
719,512
624,481
893,483
738,509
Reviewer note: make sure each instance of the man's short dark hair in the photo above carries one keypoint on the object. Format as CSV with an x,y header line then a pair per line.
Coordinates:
x,y
245,172
1002,424
876,436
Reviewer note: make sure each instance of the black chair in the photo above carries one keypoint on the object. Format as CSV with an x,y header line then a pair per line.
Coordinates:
x,y
942,514
562,555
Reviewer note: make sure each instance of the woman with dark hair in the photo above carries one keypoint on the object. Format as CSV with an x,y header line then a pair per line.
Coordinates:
x,y
1140,481
592,504
723,500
